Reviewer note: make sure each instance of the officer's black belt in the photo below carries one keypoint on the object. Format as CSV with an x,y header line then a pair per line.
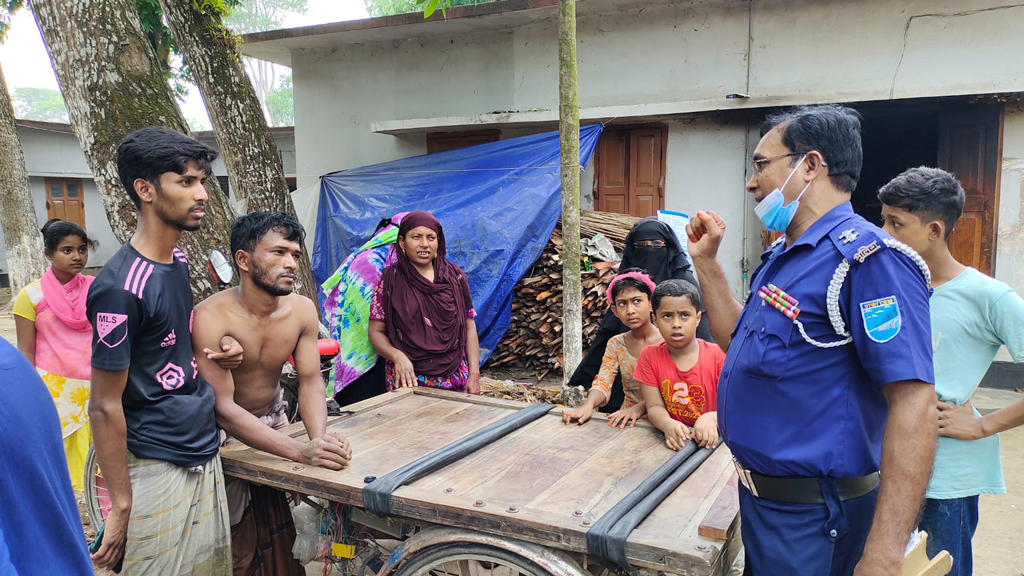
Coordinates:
x,y
607,537
797,490
377,494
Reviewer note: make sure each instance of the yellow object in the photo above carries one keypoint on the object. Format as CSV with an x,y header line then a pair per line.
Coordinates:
x,y
76,449
917,563
339,550
71,397
26,301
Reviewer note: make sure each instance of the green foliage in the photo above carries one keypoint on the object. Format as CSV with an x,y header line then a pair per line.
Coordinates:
x,y
39,104
220,7
281,102
7,10
197,125
152,18
377,8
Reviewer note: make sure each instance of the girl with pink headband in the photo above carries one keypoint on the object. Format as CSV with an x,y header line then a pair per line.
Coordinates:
x,y
629,295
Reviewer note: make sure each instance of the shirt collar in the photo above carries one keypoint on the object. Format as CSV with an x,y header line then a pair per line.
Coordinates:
x,y
822,226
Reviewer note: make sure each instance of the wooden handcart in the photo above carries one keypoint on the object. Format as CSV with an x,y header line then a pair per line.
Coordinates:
x,y
524,502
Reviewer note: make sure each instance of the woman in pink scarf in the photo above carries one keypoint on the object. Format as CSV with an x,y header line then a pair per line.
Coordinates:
x,y
55,335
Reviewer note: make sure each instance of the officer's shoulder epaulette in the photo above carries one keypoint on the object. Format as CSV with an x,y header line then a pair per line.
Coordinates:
x,y
858,239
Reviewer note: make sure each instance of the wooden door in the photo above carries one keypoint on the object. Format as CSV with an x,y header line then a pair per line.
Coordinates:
x,y
445,141
611,189
970,146
629,176
64,200
646,174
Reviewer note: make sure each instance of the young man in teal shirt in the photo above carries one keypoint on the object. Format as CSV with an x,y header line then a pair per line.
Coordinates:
x,y
972,316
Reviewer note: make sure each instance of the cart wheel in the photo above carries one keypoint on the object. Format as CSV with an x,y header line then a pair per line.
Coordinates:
x,y
468,559
97,498
290,394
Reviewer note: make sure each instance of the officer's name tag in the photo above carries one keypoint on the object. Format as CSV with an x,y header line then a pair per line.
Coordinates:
x,y
881,318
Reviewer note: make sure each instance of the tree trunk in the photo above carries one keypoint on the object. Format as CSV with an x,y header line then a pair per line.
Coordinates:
x,y
113,85
248,148
22,242
569,140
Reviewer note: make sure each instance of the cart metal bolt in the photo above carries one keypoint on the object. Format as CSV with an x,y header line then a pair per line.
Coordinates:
x,y
479,504
578,513
298,467
701,547
585,523
449,490
513,509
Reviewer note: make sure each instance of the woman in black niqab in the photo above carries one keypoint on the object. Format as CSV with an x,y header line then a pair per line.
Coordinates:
x,y
653,247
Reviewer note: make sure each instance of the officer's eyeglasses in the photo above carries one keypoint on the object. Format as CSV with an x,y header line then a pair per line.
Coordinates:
x,y
758,165
649,244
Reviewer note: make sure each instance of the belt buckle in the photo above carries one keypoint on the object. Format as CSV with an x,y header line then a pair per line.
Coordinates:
x,y
745,478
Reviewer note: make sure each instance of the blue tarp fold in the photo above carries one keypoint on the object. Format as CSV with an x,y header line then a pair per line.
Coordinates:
x,y
498,203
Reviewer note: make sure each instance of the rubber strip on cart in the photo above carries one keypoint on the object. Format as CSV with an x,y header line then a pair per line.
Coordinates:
x,y
377,494
607,537
615,538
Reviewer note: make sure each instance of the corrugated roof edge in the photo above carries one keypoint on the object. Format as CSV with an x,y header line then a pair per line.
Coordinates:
x,y
44,125
469,11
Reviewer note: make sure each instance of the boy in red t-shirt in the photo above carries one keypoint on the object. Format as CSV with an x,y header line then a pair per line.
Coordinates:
x,y
681,374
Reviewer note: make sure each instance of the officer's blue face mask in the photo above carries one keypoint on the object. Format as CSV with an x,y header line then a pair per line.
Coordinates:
x,y
773,214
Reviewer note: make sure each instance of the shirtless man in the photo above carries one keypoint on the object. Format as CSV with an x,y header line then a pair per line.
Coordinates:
x,y
271,324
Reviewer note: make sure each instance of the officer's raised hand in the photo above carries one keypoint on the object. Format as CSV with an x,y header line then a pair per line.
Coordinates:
x,y
705,233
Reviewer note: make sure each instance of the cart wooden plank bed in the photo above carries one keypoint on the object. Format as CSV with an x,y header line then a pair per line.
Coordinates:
x,y
544,484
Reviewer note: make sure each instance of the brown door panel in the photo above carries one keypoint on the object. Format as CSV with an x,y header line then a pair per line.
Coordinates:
x,y
966,241
614,203
630,171
612,193
645,206
645,169
445,141
970,146
64,200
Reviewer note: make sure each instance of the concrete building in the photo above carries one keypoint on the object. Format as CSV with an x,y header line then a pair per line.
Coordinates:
x,y
683,86
63,186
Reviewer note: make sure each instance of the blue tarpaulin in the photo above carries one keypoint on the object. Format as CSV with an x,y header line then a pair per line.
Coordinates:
x,y
498,204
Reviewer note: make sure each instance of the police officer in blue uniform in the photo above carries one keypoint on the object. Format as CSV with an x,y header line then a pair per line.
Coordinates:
x,y
828,375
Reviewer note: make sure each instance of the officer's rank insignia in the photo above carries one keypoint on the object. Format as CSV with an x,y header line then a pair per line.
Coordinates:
x,y
882,319
849,235
867,250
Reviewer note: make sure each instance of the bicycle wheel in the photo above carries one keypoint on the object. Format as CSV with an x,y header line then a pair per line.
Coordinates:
x,y
290,394
468,559
97,498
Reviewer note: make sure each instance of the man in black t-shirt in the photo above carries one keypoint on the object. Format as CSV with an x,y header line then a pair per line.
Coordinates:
x,y
142,312
153,420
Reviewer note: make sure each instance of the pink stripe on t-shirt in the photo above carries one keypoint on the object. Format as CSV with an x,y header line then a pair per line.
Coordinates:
x,y
131,272
138,278
142,286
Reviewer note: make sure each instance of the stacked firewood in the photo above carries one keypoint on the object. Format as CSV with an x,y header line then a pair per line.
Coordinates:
x,y
523,392
611,225
534,337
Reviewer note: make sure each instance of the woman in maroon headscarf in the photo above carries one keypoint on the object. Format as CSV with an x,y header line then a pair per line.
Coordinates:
x,y
421,314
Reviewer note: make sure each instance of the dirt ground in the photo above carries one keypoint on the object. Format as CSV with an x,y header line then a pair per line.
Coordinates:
x,y
998,549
